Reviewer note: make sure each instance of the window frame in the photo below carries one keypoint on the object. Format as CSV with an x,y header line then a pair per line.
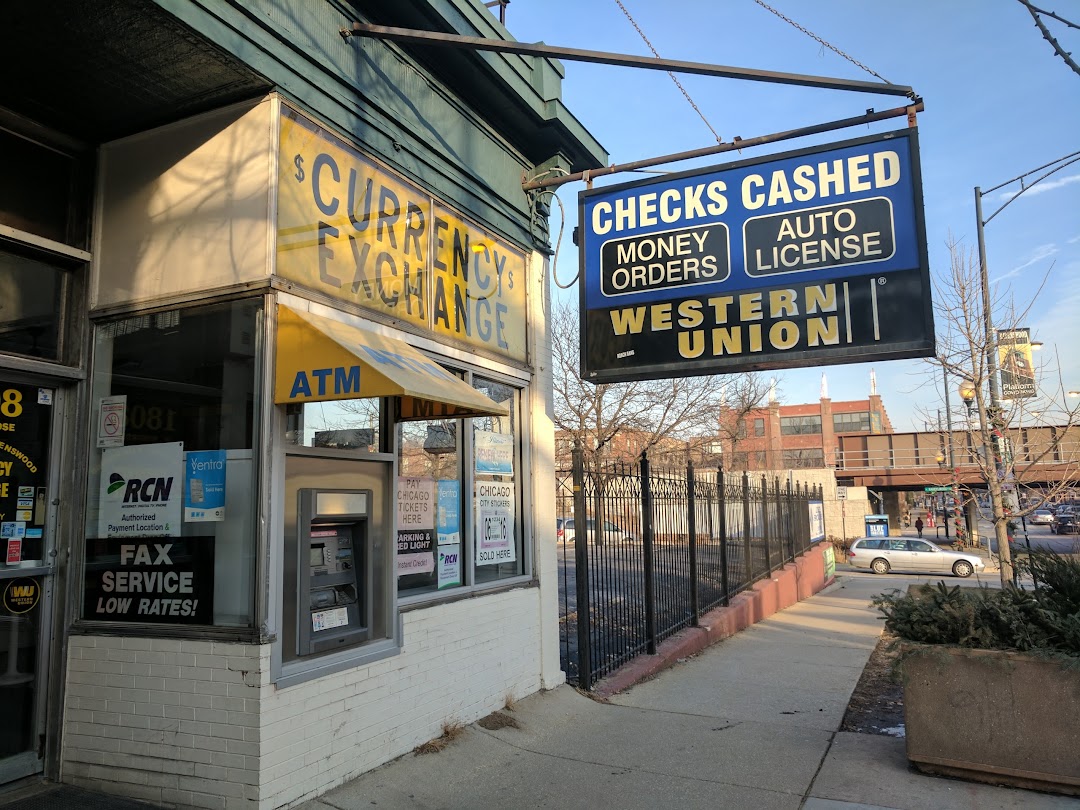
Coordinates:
x,y
262,432
470,587
795,458
864,425
802,423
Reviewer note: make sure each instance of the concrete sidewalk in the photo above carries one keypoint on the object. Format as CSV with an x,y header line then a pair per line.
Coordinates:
x,y
752,722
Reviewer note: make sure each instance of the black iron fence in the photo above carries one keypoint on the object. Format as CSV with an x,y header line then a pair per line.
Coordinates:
x,y
645,552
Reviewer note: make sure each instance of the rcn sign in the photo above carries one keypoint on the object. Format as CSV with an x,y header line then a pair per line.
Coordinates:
x,y
807,258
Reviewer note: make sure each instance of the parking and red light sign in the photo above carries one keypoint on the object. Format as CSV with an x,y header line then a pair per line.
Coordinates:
x,y
805,258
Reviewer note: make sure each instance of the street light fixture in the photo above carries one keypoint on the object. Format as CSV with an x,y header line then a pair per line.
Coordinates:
x,y
990,413
967,393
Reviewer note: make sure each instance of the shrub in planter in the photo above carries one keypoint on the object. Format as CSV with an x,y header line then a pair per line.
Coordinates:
x,y
992,677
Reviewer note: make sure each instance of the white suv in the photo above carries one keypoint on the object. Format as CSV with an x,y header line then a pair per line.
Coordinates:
x,y
612,531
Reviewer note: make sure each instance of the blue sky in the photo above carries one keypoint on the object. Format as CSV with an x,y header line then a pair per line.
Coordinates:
x,y
999,102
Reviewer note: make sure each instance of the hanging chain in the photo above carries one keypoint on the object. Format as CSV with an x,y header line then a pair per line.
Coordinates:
x,y
825,44
674,78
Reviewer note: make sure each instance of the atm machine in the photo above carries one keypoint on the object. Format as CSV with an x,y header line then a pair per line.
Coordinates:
x,y
334,602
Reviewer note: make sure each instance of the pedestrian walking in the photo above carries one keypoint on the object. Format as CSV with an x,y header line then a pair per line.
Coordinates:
x,y
918,525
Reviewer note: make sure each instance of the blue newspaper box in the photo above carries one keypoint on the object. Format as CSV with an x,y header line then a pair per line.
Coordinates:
x,y
877,525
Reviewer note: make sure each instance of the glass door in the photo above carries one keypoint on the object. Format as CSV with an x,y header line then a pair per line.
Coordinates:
x,y
26,565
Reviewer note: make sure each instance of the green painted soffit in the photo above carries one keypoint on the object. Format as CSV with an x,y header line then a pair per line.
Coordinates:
x,y
519,96
538,82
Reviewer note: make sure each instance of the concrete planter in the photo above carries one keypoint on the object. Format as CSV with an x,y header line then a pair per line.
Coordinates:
x,y
999,717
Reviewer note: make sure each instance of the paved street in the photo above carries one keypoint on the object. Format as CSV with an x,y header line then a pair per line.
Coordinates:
x,y
1039,536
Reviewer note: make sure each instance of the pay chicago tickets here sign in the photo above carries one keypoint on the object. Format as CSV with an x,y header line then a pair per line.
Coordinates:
x,y
804,258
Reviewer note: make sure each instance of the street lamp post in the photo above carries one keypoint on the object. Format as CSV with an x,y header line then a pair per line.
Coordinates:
x,y
955,477
990,413
990,423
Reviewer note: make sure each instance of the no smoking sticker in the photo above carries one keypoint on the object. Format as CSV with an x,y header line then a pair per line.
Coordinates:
x,y
112,414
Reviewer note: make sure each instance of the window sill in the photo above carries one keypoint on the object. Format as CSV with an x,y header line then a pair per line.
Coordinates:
x,y
426,600
313,667
203,632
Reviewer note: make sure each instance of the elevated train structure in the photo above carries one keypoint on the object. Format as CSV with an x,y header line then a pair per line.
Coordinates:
x,y
1041,456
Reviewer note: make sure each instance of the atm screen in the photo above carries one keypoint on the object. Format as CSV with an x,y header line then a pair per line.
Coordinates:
x,y
316,557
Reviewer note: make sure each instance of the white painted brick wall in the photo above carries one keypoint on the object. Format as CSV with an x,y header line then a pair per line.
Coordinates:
x,y
459,662
154,719
198,723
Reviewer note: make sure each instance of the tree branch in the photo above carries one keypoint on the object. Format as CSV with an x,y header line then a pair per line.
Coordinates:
x,y
1065,55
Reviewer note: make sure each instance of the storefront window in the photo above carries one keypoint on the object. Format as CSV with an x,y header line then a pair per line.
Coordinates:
x,y
429,553
30,288
459,516
498,547
40,185
348,424
171,494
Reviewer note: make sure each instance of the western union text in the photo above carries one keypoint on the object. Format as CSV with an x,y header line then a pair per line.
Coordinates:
x,y
729,325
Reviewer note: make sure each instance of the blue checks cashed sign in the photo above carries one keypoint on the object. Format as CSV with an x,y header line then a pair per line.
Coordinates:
x,y
808,257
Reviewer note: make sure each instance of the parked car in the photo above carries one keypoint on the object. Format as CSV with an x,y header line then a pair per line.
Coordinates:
x,y
884,554
612,531
1042,517
1066,523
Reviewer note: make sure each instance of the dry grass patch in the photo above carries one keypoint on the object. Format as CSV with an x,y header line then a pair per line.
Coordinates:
x,y
451,731
497,720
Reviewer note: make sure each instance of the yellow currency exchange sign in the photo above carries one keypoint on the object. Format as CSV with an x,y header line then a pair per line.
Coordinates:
x,y
351,229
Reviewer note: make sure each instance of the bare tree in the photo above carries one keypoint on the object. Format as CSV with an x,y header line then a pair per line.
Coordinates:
x,y
1012,465
1037,15
742,395
613,420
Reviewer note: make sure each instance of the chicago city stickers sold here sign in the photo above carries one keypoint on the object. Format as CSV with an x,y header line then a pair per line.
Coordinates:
x,y
809,257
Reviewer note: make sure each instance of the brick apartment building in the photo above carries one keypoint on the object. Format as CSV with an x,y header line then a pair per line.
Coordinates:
x,y
784,437
774,437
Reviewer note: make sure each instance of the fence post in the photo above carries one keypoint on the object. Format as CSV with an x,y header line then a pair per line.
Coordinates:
x,y
691,527
778,522
790,520
796,519
748,550
782,534
647,556
765,533
721,505
802,516
581,570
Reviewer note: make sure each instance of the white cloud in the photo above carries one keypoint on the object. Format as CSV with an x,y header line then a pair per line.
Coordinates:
x,y
1041,253
1043,187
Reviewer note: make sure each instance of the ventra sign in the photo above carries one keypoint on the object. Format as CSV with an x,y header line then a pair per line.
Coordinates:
x,y
809,257
350,228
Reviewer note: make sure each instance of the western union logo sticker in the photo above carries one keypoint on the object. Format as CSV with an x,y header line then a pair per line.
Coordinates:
x,y
21,595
